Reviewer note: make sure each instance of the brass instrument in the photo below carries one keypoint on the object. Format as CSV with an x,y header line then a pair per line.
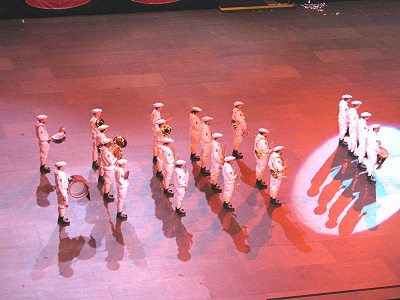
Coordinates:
x,y
166,129
382,155
78,187
100,122
275,172
234,123
118,142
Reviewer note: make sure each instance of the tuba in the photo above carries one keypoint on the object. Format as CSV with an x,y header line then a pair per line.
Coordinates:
x,y
166,129
78,187
100,122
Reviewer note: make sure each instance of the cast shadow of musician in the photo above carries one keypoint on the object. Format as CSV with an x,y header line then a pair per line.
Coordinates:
x,y
43,190
172,224
228,221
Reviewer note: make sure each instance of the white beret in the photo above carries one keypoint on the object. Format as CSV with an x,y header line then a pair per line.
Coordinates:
x,y
277,148
106,141
356,102
238,103
168,140
180,162
366,114
41,117
217,135
102,127
373,126
263,130
60,163
347,96
195,108
161,121
158,105
205,119
97,110
122,161
229,158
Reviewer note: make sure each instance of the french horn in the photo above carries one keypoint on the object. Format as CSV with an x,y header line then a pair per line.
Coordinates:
x,y
118,143
100,122
166,129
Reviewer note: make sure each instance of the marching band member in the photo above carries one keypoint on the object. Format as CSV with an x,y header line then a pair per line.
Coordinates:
x,y
108,161
230,177
261,150
94,131
352,117
205,144
194,132
362,128
373,145
160,141
239,128
44,142
168,165
122,187
61,180
217,160
155,116
101,136
181,181
276,166
342,118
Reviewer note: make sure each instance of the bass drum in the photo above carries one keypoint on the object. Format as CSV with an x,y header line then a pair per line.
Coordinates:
x,y
382,155
78,188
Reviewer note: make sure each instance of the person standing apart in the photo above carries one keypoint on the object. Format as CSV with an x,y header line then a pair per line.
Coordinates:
x,y
230,178
181,182
362,128
352,117
217,161
262,151
108,161
342,118
62,181
373,145
93,126
194,132
239,128
121,178
205,144
276,167
44,142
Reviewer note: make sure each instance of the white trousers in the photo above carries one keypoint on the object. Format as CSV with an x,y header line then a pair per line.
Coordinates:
x,y
361,150
371,162
121,194
194,141
352,140
215,170
109,176
62,200
44,152
95,153
179,194
261,164
228,191
204,153
343,125
168,172
274,186
237,138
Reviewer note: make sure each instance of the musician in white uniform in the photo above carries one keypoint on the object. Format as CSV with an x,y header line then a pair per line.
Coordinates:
x,y
276,167
230,178
61,181
160,141
44,142
168,159
181,182
342,118
108,161
122,188
262,151
362,128
205,144
100,137
373,145
94,131
352,117
239,128
217,160
155,116
194,132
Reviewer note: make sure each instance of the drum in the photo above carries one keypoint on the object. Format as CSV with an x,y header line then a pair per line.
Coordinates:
x,y
382,155
58,138
78,188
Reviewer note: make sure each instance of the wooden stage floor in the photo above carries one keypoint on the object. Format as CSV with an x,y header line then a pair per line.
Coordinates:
x,y
335,232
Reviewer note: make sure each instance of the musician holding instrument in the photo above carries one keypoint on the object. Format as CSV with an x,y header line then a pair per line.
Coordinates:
x,y
262,150
194,132
362,128
205,144
154,117
94,123
352,117
61,181
44,142
342,118
108,161
276,167
373,146
217,160
100,137
239,128
160,141
121,178
168,158
230,178
181,182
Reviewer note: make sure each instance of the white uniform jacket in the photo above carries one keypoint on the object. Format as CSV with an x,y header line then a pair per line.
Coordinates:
x,y
93,127
205,137
194,124
61,180
41,132
181,178
261,147
108,159
155,116
119,178
238,117
275,163
228,174
373,143
217,157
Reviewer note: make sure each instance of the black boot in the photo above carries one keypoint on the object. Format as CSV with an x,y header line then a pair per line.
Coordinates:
x,y
95,166
154,160
371,179
159,175
168,193
180,212
342,143
215,188
237,154
360,166
194,157
108,198
63,221
275,202
44,169
260,185
100,180
205,172
122,216
228,207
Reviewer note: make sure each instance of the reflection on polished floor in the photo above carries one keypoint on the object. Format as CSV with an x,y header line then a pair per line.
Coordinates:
x,y
289,67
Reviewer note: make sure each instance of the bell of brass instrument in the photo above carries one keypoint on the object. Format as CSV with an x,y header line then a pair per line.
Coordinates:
x,y
100,122
166,129
120,141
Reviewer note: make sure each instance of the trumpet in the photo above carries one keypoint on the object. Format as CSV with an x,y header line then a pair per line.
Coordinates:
x,y
100,122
